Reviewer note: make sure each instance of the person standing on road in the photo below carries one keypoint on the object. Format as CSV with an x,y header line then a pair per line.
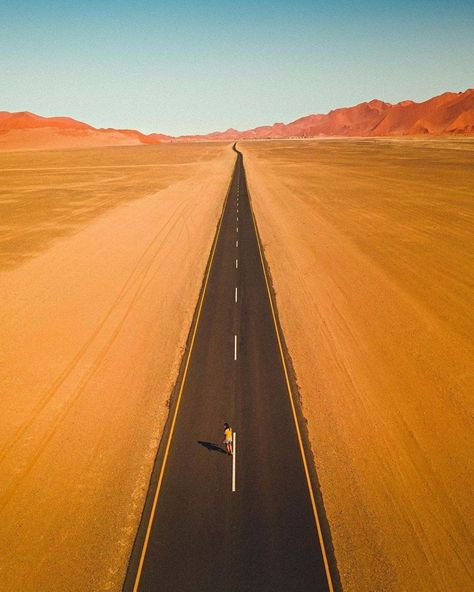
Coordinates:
x,y
228,438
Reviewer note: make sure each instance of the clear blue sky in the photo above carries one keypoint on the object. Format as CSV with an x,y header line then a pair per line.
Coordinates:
x,y
199,66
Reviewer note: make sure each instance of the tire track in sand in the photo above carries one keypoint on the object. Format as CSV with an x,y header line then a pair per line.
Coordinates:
x,y
135,281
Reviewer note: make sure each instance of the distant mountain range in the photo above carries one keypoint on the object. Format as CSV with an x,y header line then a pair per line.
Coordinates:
x,y
449,113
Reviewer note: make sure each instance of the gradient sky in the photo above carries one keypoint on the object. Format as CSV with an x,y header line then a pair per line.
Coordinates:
x,y
192,67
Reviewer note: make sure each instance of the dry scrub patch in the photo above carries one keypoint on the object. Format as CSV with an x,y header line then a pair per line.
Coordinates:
x,y
103,257
369,243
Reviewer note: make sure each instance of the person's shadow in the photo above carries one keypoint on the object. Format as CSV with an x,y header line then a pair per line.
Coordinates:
x,y
211,446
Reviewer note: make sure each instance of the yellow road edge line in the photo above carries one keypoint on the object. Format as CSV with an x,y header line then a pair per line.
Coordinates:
x,y
295,417
181,388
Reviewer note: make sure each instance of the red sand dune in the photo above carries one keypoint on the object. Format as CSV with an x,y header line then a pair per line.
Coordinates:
x,y
449,113
142,138
26,120
445,114
27,131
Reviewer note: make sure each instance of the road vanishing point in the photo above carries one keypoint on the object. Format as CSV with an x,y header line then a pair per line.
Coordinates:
x,y
196,533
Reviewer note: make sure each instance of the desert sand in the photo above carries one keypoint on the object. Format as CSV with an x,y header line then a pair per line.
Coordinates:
x,y
369,244
101,261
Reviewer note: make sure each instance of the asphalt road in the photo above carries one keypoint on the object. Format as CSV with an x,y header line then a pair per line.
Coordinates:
x,y
197,535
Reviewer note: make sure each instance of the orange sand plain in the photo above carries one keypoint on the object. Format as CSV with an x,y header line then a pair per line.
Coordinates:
x,y
102,255
368,243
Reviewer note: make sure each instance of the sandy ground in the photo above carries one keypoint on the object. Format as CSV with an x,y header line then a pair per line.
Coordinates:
x,y
368,243
102,258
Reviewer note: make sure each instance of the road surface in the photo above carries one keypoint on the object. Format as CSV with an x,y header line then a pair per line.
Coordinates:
x,y
198,535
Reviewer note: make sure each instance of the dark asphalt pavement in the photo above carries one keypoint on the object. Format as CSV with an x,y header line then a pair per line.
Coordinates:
x,y
203,537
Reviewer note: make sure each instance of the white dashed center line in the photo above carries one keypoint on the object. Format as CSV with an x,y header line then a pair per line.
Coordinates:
x,y
236,294
235,347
